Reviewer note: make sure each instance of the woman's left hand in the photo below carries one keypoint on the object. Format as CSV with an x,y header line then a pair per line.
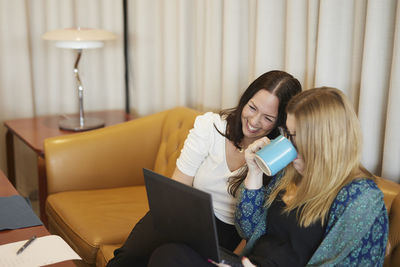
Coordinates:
x,y
298,164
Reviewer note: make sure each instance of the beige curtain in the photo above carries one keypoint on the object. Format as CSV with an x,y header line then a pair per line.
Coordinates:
x,y
204,53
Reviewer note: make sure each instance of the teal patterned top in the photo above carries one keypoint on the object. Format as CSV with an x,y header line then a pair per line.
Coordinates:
x,y
356,232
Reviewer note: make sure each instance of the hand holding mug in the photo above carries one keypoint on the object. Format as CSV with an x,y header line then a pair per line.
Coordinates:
x,y
254,174
250,153
276,155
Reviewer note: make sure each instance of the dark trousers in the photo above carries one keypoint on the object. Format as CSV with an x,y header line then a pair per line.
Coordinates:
x,y
177,255
143,240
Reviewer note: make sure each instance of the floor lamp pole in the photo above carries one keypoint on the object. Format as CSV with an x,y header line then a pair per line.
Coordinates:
x,y
126,55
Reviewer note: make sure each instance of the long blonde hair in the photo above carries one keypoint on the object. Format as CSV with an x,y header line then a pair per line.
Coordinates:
x,y
328,137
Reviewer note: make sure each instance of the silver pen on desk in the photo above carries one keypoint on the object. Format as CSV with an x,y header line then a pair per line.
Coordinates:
x,y
27,243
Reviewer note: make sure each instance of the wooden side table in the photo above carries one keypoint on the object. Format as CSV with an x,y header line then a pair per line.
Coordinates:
x,y
9,236
33,131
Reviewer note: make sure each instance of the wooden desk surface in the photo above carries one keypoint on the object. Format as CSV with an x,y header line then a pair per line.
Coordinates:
x,y
8,236
33,131
6,188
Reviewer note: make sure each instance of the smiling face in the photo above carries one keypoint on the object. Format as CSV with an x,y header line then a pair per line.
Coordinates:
x,y
259,115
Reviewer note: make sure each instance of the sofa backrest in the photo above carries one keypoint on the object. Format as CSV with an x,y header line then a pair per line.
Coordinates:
x,y
175,129
104,158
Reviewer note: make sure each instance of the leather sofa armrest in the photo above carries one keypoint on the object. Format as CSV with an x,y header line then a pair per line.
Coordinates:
x,y
393,247
389,189
391,192
104,158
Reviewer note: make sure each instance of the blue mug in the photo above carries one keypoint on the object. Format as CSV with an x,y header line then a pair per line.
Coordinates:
x,y
276,155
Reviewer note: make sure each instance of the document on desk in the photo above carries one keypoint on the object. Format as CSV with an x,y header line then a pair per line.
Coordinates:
x,y
43,251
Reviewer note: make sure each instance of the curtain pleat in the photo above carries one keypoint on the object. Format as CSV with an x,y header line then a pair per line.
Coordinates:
x,y
235,48
334,44
375,75
391,148
296,39
270,36
15,79
203,54
311,43
209,90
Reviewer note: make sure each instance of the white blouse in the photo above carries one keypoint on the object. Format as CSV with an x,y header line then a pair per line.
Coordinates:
x,y
203,156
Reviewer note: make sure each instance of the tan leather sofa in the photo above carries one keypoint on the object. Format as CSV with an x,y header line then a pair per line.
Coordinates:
x,y
96,189
95,180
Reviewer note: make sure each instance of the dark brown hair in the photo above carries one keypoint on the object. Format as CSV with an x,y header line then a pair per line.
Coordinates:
x,y
279,83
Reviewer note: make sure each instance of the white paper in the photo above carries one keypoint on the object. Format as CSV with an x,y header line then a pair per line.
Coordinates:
x,y
42,251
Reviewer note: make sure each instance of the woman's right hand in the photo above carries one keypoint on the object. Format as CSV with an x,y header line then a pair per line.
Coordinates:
x,y
245,262
254,175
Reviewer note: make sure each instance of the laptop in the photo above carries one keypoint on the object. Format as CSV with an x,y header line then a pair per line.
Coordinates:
x,y
184,214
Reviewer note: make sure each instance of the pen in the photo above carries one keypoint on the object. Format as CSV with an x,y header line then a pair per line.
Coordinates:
x,y
27,243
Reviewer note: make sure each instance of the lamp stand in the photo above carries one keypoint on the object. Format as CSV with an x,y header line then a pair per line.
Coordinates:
x,y
82,123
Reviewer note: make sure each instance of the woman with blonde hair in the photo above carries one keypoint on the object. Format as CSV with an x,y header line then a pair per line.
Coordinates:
x,y
325,209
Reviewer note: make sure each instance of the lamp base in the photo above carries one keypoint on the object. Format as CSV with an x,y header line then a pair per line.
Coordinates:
x,y
73,124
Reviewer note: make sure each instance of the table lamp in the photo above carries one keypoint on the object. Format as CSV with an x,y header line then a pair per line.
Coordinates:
x,y
79,39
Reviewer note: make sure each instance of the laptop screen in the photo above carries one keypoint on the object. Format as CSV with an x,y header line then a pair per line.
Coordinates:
x,y
182,214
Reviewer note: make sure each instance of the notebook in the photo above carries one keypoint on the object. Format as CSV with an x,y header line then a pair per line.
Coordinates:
x,y
16,212
185,214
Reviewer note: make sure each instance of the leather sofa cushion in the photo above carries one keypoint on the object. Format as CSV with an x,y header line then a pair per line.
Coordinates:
x,y
116,212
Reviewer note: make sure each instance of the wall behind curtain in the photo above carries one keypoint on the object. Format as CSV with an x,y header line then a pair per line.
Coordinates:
x,y
204,53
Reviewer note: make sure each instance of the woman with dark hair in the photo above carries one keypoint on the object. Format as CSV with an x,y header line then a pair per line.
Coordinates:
x,y
212,160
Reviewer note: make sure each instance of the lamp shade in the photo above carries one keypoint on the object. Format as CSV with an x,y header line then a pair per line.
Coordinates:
x,y
79,38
